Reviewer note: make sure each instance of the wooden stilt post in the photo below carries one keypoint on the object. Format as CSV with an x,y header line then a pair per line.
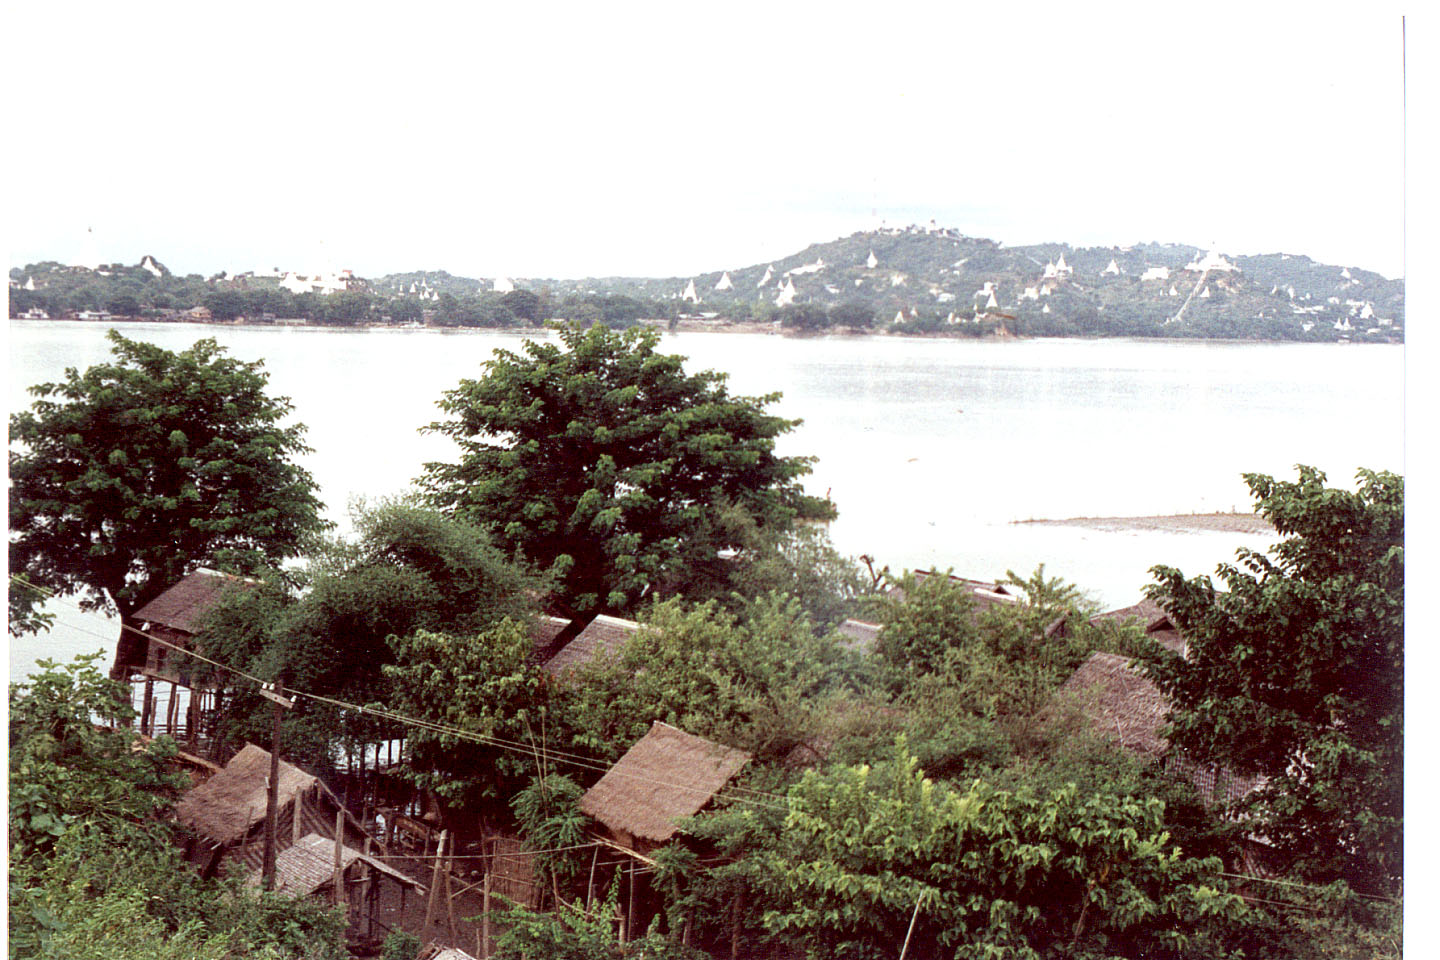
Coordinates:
x,y
272,794
485,917
434,883
365,892
735,927
449,891
146,705
339,875
172,710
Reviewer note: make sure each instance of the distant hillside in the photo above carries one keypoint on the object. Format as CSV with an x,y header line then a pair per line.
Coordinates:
x,y
913,279
1138,290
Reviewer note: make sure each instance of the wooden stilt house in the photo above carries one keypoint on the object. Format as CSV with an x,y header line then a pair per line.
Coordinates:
x,y
227,812
172,620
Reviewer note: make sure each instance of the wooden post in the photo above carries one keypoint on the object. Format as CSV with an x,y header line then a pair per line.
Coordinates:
x,y
145,706
485,917
735,926
449,894
365,892
590,884
172,710
339,861
154,711
434,884
272,796
630,913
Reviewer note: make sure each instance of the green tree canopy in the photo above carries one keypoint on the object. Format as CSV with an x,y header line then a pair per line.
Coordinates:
x,y
1296,671
130,475
604,460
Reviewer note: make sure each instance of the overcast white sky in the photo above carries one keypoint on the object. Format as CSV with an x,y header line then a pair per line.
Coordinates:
x,y
670,139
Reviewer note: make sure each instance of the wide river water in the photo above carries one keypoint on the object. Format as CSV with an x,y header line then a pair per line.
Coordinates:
x,y
931,449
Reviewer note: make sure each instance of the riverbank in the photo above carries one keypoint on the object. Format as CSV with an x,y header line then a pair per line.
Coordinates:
x,y
1246,523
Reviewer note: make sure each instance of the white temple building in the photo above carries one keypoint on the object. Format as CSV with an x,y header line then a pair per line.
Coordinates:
x,y
690,293
1062,267
1211,261
503,285
1205,294
787,294
1156,273
871,262
724,282
1113,269
769,272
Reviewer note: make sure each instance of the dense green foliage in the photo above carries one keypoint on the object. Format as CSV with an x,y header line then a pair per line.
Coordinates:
x,y
1296,671
408,568
982,872
127,476
602,460
94,872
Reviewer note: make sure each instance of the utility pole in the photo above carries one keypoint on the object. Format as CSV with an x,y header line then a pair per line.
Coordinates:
x,y
272,794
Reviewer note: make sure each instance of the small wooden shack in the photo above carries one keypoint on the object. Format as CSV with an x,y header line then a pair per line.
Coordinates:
x,y
983,593
666,776
227,812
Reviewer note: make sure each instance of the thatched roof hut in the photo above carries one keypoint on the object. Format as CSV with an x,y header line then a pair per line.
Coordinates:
x,y
602,637
183,607
666,776
228,810
1123,705
175,617
1120,702
309,866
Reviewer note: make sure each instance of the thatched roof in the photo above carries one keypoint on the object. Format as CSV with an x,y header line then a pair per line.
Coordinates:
x,y
1153,619
226,806
861,634
1149,615
602,637
1120,702
309,864
983,593
184,605
544,629
666,776
445,953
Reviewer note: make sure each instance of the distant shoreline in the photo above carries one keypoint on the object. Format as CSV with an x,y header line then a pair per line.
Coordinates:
x,y
683,326
1245,523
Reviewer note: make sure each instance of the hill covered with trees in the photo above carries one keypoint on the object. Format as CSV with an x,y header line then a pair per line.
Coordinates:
x,y
901,279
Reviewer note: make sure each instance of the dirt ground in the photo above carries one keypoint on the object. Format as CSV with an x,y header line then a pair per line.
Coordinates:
x,y
1247,523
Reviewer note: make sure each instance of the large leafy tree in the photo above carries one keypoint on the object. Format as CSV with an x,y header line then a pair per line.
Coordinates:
x,y
1296,671
864,859
604,460
128,476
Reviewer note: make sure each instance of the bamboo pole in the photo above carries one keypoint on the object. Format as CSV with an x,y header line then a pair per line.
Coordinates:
x,y
485,917
449,892
365,890
913,917
146,706
434,882
339,875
